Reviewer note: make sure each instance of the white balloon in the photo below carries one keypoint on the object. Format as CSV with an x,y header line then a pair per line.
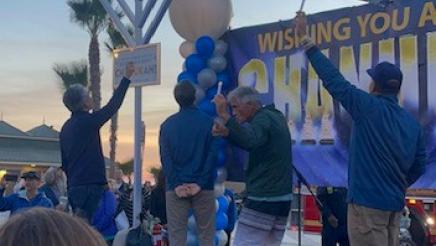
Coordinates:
x,y
220,47
194,18
219,189
206,78
199,94
222,238
186,49
217,63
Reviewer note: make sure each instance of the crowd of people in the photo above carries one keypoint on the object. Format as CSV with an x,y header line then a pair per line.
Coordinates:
x,y
387,155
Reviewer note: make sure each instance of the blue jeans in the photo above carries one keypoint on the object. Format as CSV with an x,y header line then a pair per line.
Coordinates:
x,y
85,199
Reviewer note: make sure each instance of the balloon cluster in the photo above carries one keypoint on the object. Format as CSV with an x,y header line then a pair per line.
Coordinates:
x,y
205,66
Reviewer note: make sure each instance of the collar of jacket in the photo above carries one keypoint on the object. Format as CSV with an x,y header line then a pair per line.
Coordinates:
x,y
23,194
188,108
391,98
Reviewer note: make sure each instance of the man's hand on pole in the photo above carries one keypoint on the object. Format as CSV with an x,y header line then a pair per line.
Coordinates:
x,y
301,24
130,70
221,107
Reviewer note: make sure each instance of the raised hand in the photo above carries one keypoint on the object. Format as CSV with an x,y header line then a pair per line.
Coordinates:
x,y
300,24
130,70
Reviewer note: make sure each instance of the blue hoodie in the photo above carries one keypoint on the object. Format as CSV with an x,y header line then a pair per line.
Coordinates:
x,y
103,219
387,150
19,201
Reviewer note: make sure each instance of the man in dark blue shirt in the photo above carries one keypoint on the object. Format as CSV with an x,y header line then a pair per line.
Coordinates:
x,y
188,154
387,150
82,155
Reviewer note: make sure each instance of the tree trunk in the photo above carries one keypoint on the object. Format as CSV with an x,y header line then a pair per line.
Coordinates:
x,y
94,70
113,143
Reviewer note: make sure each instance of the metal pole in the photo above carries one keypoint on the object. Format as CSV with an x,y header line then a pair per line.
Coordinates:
x,y
137,195
116,19
299,211
156,21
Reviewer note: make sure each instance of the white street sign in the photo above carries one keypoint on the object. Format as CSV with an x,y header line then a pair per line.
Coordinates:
x,y
147,64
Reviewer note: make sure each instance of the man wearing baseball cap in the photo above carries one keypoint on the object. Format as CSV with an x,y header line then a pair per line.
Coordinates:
x,y
27,198
387,149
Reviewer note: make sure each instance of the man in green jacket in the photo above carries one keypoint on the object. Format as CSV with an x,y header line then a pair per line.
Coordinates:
x,y
265,135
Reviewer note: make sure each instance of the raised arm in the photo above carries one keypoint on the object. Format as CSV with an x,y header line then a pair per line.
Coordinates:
x,y
99,118
357,102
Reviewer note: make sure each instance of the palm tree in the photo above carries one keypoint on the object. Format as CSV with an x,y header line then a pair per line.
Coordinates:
x,y
115,41
91,16
72,73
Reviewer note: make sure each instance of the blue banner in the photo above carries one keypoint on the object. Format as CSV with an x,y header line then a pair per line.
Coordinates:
x,y
268,58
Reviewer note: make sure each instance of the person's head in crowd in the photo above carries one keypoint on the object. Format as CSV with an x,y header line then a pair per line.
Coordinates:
x,y
112,185
32,181
118,175
184,93
77,98
386,79
55,177
48,227
245,102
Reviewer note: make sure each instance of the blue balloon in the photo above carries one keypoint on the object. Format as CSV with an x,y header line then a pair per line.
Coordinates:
x,y
221,158
195,63
205,46
208,107
211,92
225,78
223,204
185,75
192,239
221,221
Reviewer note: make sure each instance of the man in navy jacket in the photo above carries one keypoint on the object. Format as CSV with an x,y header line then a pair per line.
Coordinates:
x,y
82,155
188,154
387,149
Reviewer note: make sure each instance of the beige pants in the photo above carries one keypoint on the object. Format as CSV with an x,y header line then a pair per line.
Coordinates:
x,y
203,205
373,227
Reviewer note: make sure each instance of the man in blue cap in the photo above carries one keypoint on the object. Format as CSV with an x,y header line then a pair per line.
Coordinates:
x,y
387,149
27,198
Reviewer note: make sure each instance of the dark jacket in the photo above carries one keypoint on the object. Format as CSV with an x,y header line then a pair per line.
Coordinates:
x,y
104,216
334,201
187,149
268,140
47,190
158,204
82,156
19,201
387,150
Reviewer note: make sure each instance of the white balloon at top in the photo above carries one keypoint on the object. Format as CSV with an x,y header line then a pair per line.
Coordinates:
x,y
194,18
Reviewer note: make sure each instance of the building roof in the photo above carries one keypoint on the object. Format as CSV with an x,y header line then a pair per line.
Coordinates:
x,y
38,146
43,131
8,130
27,151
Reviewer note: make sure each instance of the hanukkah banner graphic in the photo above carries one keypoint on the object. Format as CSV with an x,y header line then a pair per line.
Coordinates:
x,y
268,58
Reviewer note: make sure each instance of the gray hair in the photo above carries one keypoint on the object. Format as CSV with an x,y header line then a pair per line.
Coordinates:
x,y
74,97
245,94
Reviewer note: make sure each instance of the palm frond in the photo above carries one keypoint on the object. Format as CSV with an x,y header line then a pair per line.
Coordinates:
x,y
72,73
